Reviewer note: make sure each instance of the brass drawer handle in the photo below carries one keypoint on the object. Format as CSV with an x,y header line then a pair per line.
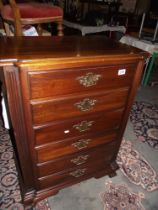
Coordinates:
x,y
80,160
78,172
81,144
86,105
89,79
83,126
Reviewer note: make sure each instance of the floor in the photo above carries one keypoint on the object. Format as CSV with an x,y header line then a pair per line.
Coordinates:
x,y
86,195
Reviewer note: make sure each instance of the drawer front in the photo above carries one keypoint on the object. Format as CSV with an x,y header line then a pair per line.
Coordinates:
x,y
103,153
78,127
45,84
47,111
73,175
60,149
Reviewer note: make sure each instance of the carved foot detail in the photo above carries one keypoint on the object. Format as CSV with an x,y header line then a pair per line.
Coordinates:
x,y
113,167
29,207
112,174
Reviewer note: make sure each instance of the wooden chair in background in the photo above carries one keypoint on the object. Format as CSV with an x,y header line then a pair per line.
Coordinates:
x,y
21,14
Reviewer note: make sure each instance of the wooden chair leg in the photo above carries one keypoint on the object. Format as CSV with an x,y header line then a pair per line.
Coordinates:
x,y
7,29
18,28
39,30
60,28
17,32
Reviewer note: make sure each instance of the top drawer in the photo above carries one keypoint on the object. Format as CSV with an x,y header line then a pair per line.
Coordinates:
x,y
68,81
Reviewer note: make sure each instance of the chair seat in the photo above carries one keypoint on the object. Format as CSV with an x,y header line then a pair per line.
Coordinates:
x,y
32,11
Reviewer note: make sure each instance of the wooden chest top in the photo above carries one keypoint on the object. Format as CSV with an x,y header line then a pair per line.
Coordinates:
x,y
70,48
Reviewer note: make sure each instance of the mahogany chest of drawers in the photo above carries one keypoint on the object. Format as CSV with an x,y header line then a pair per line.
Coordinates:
x,y
68,101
